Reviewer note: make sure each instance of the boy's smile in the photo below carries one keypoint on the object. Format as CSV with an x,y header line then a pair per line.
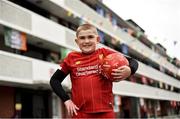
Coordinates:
x,y
87,41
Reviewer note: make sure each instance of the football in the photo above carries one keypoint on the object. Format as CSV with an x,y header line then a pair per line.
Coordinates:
x,y
112,61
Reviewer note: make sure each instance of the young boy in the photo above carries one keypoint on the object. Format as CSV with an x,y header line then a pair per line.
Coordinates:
x,y
92,95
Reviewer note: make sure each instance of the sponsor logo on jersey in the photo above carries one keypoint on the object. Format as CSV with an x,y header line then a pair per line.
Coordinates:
x,y
77,62
101,56
87,70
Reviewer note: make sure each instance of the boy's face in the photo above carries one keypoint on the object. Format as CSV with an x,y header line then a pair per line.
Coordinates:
x,y
87,41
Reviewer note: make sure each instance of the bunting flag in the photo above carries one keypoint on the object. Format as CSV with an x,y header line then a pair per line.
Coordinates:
x,y
141,101
64,52
160,84
175,75
108,16
173,104
117,102
166,86
114,41
132,79
124,29
172,88
53,57
151,81
124,49
161,68
114,21
170,60
15,39
81,21
100,11
102,35
144,80
74,16
69,13
130,31
138,34
158,106
177,61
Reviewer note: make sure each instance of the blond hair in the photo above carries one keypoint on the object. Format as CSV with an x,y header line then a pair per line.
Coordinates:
x,y
86,27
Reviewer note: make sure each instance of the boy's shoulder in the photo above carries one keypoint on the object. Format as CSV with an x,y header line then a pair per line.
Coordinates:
x,y
73,53
105,49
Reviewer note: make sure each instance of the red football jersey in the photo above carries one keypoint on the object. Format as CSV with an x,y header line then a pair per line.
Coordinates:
x,y
90,91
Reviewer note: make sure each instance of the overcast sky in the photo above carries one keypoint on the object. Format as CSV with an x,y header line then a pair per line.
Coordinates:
x,y
159,18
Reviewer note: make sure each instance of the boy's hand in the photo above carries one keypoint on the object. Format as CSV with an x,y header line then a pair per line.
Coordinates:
x,y
121,73
71,107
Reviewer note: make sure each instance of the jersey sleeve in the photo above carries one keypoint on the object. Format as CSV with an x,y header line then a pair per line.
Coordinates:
x,y
65,65
107,51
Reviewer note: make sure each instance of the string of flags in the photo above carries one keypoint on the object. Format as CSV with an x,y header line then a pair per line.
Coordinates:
x,y
113,20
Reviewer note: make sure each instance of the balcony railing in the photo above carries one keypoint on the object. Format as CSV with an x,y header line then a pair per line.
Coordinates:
x,y
23,70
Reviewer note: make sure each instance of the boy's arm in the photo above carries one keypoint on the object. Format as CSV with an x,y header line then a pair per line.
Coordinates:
x,y
133,64
55,83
